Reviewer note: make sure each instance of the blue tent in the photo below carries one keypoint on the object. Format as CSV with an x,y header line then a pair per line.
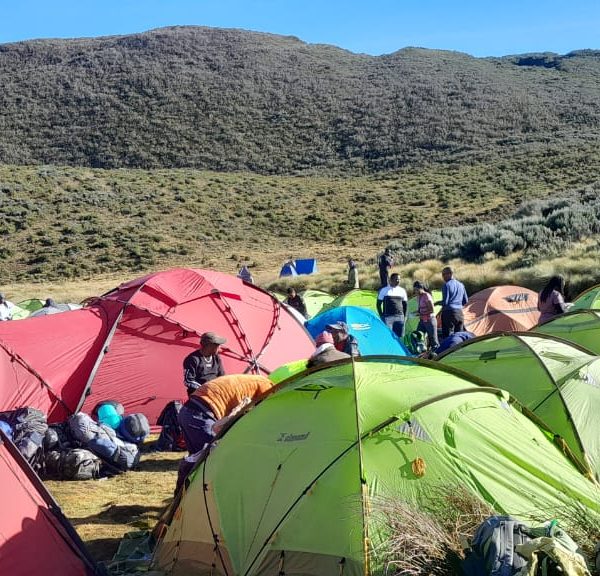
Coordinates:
x,y
373,336
298,267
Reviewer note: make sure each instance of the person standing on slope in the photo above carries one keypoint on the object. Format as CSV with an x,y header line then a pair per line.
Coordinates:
x,y
386,261
454,297
352,275
392,303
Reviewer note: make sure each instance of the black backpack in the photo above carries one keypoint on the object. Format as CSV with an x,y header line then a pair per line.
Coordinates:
x,y
79,464
171,436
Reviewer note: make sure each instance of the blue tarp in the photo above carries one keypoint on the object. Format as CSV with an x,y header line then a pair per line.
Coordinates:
x,y
304,266
373,336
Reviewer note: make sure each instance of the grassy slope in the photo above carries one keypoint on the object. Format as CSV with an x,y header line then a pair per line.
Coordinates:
x,y
67,223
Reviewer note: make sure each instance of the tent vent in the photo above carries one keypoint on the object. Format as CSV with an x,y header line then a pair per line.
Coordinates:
x,y
414,429
489,355
518,297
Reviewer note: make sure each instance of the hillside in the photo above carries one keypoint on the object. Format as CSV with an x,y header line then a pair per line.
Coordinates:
x,y
61,222
230,100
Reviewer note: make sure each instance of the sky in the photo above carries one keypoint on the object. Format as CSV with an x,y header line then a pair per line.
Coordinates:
x,y
479,28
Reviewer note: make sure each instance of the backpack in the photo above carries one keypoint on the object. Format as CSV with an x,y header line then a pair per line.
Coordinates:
x,y
492,551
77,464
417,342
109,412
127,456
28,428
134,428
171,436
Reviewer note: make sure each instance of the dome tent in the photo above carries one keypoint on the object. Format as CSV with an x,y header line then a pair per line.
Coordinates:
x,y
558,381
373,336
306,487
588,300
501,309
316,301
581,327
130,343
35,537
357,297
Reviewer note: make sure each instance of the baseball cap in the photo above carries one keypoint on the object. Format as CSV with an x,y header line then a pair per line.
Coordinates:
x,y
342,326
212,338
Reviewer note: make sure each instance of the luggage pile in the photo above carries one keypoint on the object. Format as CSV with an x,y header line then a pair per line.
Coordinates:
x,y
82,448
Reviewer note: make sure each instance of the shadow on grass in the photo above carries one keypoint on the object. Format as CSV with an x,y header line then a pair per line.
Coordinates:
x,y
103,549
127,514
154,463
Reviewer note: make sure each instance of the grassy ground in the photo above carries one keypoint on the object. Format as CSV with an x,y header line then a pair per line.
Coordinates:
x,y
104,510
578,265
67,223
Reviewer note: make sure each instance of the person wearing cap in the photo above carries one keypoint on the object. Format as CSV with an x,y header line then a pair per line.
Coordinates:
x,y
454,297
342,339
392,303
6,308
386,261
426,311
325,351
296,301
204,364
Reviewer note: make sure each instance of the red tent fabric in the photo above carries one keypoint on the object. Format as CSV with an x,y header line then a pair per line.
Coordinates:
x,y
129,344
501,309
35,538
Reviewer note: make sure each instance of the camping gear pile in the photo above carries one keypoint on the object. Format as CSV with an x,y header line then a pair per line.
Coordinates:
x,y
80,448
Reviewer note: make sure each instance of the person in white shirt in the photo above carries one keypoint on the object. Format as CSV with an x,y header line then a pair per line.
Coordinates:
x,y
392,302
6,308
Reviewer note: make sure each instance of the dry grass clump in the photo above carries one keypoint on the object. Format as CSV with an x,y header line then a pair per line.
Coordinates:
x,y
428,539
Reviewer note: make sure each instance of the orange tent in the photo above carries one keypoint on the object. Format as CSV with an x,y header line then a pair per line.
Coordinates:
x,y
501,309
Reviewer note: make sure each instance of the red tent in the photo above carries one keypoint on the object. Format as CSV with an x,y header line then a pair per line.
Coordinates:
x,y
129,344
35,537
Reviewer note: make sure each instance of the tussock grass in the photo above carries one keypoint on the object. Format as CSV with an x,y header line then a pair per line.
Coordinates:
x,y
427,539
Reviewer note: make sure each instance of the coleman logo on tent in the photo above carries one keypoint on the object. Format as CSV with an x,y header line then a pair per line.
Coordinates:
x,y
286,437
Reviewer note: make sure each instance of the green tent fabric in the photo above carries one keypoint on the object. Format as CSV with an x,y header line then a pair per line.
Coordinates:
x,y
19,313
587,300
316,301
32,304
580,327
292,487
287,370
412,320
557,380
361,298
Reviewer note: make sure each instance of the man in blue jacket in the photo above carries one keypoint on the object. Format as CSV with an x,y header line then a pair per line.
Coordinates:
x,y
454,297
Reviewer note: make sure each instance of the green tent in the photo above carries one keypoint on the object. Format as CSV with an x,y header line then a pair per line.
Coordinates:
x,y
580,327
557,380
33,304
587,300
19,313
316,301
412,320
360,298
293,486
287,370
